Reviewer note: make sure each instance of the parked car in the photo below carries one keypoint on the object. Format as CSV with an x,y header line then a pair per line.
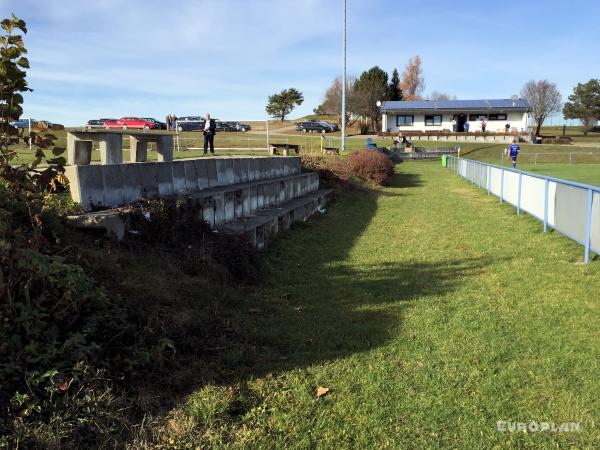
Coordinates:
x,y
130,122
314,126
157,123
332,125
225,126
190,123
94,123
241,126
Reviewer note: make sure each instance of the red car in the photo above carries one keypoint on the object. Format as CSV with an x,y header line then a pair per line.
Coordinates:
x,y
130,122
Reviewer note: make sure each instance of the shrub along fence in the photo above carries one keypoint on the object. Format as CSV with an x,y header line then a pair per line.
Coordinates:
x,y
570,208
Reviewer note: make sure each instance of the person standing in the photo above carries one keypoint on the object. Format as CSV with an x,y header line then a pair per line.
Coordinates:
x,y
454,124
483,125
513,151
210,129
168,121
466,127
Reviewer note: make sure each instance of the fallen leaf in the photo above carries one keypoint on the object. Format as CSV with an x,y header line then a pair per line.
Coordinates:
x,y
322,391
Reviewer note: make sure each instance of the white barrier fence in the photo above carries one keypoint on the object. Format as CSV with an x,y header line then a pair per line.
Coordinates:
x,y
570,208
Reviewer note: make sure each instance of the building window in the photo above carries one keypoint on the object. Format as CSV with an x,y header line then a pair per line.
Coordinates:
x,y
477,117
433,121
405,121
498,117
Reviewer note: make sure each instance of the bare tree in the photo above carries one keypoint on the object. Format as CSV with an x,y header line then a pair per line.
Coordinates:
x,y
332,101
544,98
437,95
413,83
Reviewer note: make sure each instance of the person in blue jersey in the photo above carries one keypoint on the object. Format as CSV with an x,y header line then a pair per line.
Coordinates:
x,y
513,152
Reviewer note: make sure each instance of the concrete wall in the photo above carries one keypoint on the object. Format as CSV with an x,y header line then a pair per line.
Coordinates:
x,y
102,186
516,120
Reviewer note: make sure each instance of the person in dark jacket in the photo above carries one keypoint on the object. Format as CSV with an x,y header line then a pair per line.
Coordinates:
x,y
210,129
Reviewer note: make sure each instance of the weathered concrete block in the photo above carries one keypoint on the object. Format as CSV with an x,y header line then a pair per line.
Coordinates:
x,y
251,169
202,173
239,203
164,148
178,177
237,170
229,175
111,148
113,185
244,167
260,198
229,199
86,185
79,152
149,178
221,171
211,168
138,149
164,179
131,182
219,202
208,211
191,178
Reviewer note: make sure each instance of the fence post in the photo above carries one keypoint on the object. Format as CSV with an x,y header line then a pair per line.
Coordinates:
x,y
489,179
588,230
519,194
546,189
570,158
502,187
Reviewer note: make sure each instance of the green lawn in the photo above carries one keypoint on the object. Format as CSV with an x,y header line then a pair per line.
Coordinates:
x,y
429,310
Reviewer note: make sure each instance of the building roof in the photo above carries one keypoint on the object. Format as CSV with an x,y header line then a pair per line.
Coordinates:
x,y
464,105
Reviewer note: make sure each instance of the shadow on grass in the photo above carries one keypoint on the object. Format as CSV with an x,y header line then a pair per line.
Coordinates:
x,y
406,180
317,302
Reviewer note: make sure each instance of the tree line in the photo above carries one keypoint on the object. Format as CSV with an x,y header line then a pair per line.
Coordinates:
x,y
362,94
545,99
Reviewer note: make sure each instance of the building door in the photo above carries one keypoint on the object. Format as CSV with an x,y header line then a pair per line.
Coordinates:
x,y
460,122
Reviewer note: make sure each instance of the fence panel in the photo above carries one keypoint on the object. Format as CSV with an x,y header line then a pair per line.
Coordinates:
x,y
571,208
570,214
595,225
533,193
511,187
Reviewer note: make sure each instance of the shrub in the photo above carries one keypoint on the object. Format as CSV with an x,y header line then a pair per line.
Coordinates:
x,y
371,166
331,169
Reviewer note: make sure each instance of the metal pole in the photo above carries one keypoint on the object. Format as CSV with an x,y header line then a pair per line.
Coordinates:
x,y
546,189
502,187
29,121
519,194
344,84
588,230
267,134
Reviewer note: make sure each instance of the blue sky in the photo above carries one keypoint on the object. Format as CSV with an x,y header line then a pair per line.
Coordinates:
x,y
114,58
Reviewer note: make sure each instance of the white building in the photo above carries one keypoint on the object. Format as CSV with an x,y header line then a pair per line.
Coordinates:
x,y
430,115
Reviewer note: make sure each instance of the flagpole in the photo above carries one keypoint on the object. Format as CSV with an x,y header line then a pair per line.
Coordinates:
x,y
344,83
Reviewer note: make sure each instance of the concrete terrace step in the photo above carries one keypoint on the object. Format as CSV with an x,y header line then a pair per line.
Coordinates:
x,y
216,206
106,186
262,227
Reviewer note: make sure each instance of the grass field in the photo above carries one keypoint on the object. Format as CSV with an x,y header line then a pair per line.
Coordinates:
x,y
430,312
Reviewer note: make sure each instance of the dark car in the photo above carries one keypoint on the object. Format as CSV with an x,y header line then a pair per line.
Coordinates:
x,y
225,126
314,126
190,123
239,126
158,125
95,123
332,125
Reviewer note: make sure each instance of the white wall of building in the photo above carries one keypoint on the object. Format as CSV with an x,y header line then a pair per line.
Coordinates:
x,y
516,120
